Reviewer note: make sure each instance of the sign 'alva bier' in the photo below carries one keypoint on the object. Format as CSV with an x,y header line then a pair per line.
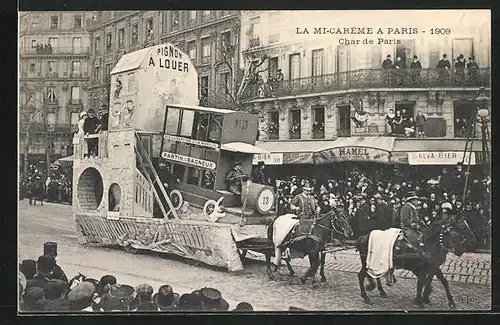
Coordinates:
x,y
351,154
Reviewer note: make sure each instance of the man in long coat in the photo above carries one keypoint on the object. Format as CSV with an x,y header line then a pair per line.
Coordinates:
x,y
305,207
410,220
383,213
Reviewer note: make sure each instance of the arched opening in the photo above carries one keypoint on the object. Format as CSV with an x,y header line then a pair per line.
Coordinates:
x,y
90,189
114,196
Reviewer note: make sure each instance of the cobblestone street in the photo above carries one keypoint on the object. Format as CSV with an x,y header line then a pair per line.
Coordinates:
x,y
54,222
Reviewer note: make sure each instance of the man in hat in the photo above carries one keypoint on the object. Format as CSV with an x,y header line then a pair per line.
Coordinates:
x,y
235,178
118,298
166,298
81,297
258,175
103,117
304,205
244,306
383,213
415,68
212,300
90,127
165,175
44,268
410,220
472,68
50,249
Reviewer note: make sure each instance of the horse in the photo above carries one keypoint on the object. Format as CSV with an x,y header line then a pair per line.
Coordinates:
x,y
36,191
332,225
439,238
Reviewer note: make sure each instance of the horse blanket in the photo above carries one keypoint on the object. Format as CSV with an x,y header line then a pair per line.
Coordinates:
x,y
281,228
380,249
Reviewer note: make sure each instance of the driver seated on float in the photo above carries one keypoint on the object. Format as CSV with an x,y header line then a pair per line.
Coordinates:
x,y
165,175
235,178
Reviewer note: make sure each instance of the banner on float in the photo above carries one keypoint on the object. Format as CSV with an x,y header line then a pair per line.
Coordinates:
x,y
268,158
189,160
440,158
191,141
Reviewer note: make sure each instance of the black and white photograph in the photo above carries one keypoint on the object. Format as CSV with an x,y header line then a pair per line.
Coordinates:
x,y
246,161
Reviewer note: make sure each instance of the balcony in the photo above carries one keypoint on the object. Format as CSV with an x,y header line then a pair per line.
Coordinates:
x,y
376,78
254,42
32,51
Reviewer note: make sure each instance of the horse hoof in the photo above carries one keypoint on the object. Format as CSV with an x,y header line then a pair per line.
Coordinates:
x,y
367,300
370,287
453,306
426,301
383,295
323,279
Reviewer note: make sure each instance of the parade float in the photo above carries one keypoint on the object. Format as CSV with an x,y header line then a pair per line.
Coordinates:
x,y
153,114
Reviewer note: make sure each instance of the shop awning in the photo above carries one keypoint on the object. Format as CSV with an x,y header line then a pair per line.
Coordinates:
x,y
242,147
368,149
295,152
412,145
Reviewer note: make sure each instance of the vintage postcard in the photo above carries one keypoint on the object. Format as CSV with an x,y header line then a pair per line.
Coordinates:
x,y
220,160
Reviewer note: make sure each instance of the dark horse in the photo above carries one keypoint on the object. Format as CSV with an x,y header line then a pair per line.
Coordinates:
x,y
332,225
439,238
36,191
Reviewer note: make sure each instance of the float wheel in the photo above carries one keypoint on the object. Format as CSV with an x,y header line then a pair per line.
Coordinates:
x,y
176,199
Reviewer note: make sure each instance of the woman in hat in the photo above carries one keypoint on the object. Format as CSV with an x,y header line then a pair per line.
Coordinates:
x,y
81,122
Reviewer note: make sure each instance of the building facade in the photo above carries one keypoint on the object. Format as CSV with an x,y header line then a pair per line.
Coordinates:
x,y
53,78
198,33
325,80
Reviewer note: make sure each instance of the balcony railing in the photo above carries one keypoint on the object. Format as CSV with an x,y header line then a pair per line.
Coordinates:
x,y
377,78
56,50
294,135
318,134
254,42
272,135
65,128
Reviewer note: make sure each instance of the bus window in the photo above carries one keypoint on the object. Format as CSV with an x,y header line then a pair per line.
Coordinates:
x,y
208,180
215,128
179,171
193,176
201,126
173,116
187,123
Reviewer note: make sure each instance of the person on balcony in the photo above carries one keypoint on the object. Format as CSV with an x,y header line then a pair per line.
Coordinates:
x,y
89,127
279,75
318,129
420,122
398,123
387,66
389,118
415,68
398,71
472,69
460,69
81,122
443,67
102,114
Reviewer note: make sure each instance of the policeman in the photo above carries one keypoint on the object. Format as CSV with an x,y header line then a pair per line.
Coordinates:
x,y
50,249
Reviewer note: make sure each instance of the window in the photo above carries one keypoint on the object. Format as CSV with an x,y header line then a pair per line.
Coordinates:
x,y
191,47
294,71
318,127
405,51
77,22
273,68
149,29
75,95
273,125
52,66
97,42
294,132
97,74
108,72
53,42
204,86
135,33
344,120
462,46
205,50
462,111
434,56
343,58
75,68
254,28
225,83
51,119
32,67
77,45
121,38
317,62
108,41
208,180
51,94
75,116
35,19
54,22
193,176
226,37
192,17
33,43
175,18
206,15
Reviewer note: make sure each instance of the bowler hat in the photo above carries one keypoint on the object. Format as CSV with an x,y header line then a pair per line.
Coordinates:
x,y
244,306
119,297
411,195
237,163
212,300
50,248
190,302
107,279
166,297
28,268
260,163
145,291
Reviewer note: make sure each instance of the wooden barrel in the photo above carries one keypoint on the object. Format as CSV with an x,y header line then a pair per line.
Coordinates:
x,y
260,197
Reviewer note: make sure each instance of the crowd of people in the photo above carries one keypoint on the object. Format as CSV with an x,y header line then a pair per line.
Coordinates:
x,y
44,287
57,187
367,197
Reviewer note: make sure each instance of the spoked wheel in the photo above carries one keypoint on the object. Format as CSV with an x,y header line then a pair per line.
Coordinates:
x,y
176,199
